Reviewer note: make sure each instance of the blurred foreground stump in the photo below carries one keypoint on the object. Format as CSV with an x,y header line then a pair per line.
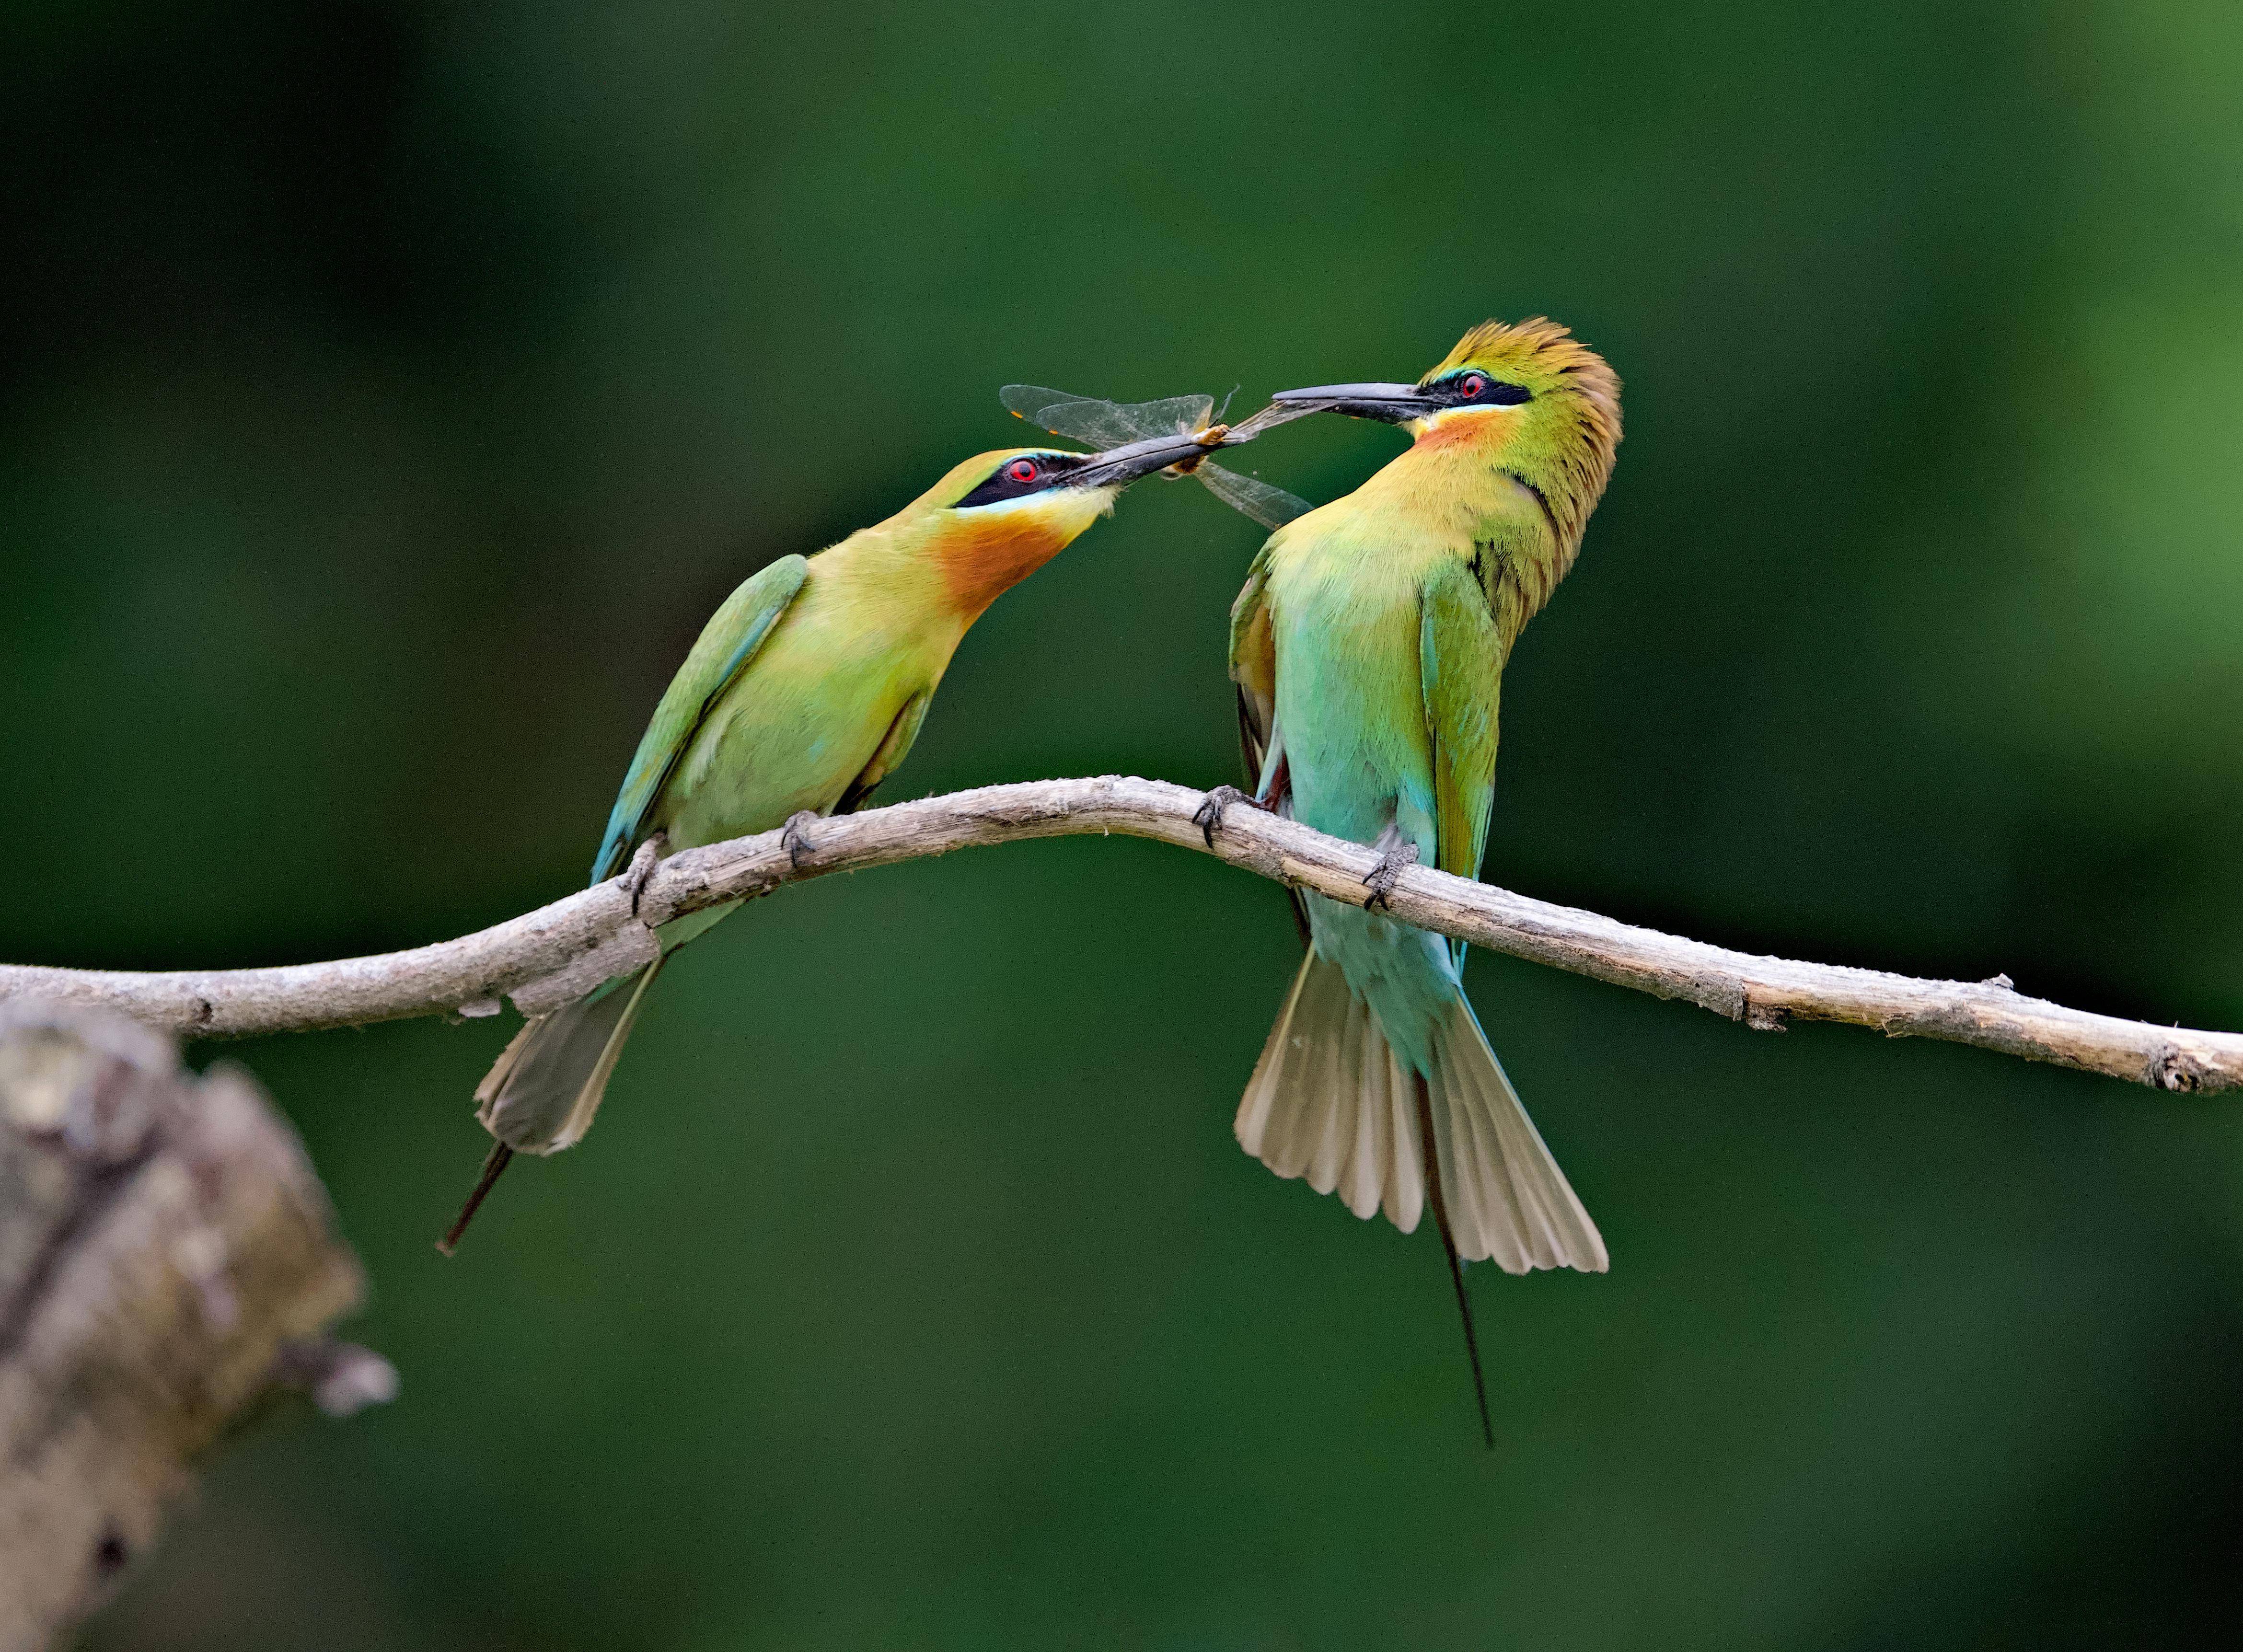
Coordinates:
x,y
168,1259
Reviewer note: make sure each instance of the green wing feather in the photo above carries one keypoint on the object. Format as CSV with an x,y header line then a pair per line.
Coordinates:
x,y
894,747
1254,664
1254,669
1460,656
726,644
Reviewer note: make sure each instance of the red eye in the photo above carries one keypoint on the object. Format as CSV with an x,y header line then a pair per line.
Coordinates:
x,y
1472,386
1022,470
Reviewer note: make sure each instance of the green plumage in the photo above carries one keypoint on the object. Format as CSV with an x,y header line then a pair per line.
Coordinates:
x,y
1369,647
805,691
725,647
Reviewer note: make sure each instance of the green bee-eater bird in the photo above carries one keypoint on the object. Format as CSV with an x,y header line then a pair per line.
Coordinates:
x,y
803,694
1368,646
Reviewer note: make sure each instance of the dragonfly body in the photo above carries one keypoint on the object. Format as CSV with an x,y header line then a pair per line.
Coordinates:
x,y
1106,423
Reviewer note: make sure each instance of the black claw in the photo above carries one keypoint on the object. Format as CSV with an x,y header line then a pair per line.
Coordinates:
x,y
796,836
1209,813
640,872
1384,876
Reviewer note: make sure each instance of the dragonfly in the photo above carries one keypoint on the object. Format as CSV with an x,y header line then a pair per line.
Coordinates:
x,y
1101,425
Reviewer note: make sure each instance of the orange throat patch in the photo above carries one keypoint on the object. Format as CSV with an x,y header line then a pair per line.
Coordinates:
x,y
981,560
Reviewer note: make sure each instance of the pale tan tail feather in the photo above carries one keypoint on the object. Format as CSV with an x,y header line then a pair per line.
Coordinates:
x,y
541,1092
1327,1100
1508,1202
1330,1102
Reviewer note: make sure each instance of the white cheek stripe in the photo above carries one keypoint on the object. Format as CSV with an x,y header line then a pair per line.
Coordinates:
x,y
1037,501
1435,420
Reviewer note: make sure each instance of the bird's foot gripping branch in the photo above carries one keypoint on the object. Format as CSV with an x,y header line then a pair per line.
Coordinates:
x,y
533,959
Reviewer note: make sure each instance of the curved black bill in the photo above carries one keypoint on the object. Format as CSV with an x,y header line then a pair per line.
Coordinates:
x,y
1388,403
1119,467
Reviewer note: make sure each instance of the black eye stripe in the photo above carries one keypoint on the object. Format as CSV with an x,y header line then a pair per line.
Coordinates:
x,y
1496,393
1051,469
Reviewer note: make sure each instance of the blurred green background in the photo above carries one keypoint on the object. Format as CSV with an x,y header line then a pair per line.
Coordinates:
x,y
388,391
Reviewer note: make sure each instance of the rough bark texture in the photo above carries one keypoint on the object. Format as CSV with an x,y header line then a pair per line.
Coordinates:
x,y
544,956
167,1258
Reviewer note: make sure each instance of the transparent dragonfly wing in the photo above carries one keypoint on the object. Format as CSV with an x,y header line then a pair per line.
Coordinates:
x,y
1271,417
1097,425
1174,416
1101,424
1270,506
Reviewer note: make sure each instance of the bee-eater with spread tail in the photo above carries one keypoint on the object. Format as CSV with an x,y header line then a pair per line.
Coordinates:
x,y
803,694
1368,647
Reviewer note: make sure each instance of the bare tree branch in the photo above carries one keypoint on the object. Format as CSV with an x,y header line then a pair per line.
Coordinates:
x,y
545,957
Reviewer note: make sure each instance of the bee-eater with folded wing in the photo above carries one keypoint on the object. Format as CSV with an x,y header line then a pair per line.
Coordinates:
x,y
804,693
1368,647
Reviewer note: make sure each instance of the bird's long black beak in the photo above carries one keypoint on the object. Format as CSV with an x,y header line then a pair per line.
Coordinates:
x,y
1388,403
1119,467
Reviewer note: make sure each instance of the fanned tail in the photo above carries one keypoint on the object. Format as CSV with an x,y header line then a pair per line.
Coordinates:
x,y
1330,1101
541,1092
